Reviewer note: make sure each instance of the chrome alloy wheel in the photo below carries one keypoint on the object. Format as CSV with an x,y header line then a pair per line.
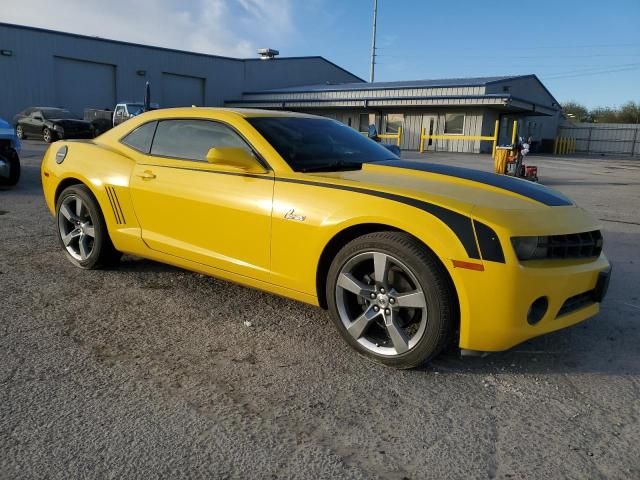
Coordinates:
x,y
381,303
76,227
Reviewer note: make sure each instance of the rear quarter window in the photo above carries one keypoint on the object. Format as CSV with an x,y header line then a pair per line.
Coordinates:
x,y
141,138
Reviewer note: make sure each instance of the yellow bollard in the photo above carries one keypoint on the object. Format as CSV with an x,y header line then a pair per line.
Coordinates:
x,y
495,138
422,140
514,132
399,136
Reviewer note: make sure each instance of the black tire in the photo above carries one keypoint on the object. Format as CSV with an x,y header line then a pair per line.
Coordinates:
x,y
48,135
14,168
20,132
437,288
103,253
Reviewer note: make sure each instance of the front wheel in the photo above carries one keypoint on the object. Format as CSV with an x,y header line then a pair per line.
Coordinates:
x,y
391,299
48,135
11,159
82,231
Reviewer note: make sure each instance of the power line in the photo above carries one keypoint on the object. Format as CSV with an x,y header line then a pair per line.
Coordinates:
x,y
587,74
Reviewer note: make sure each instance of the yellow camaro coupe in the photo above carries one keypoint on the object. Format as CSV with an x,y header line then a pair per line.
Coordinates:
x,y
404,254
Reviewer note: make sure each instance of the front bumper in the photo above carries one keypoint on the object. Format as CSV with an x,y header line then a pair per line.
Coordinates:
x,y
497,301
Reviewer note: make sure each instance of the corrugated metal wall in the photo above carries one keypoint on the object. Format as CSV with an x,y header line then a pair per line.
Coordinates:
x,y
604,138
413,123
32,75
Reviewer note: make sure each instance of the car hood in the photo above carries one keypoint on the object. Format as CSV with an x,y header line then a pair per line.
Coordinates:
x,y
70,122
495,198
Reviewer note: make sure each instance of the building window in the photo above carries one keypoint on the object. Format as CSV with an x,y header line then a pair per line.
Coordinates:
x,y
392,122
454,124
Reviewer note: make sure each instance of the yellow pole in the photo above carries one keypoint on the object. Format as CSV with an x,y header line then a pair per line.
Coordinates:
x,y
555,146
399,135
495,138
563,145
514,132
422,140
575,144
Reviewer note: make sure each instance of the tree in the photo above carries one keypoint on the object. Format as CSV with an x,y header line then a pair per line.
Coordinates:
x,y
629,113
576,111
604,115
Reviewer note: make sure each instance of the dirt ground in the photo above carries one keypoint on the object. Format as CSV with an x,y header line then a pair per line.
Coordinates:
x,y
149,371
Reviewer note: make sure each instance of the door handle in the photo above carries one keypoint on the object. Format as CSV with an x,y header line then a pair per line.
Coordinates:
x,y
146,175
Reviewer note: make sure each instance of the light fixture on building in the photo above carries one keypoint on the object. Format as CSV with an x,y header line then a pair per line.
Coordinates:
x,y
268,53
142,73
6,53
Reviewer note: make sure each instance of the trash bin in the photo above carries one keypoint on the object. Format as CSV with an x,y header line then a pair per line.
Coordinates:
x,y
500,160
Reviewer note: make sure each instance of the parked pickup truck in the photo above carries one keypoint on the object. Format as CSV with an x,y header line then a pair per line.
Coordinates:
x,y
103,120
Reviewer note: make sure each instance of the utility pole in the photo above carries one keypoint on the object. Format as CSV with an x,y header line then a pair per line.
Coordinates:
x,y
373,42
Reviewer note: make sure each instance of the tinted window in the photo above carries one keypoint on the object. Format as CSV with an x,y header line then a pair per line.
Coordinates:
x,y
311,143
192,139
140,139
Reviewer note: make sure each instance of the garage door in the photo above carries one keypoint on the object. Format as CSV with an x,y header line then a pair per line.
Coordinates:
x,y
81,84
182,90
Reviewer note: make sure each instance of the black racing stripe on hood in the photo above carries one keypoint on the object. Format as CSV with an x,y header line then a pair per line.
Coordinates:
x,y
525,188
460,224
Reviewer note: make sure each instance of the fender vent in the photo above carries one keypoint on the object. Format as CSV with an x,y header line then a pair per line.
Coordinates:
x,y
115,205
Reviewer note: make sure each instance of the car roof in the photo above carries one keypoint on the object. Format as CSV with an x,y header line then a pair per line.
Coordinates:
x,y
242,112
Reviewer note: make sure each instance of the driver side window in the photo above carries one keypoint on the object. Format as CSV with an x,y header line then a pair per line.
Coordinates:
x,y
192,139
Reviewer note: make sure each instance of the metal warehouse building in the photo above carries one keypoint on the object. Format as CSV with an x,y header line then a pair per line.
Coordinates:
x,y
443,108
46,68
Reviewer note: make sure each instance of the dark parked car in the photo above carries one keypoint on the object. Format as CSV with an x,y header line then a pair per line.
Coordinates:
x,y
51,123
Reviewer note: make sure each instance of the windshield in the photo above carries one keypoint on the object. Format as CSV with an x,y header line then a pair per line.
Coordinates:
x,y
135,108
56,113
308,144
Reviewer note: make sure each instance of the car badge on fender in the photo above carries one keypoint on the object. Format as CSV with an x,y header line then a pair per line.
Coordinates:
x,y
290,215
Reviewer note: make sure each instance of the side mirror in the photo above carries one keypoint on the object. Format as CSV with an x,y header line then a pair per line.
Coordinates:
x,y
234,159
373,131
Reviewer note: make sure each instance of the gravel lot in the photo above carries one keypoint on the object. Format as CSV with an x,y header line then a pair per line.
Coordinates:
x,y
149,371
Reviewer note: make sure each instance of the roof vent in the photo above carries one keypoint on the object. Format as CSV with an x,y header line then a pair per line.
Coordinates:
x,y
268,53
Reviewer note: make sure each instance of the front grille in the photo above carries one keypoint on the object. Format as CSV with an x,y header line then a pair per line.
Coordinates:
x,y
576,302
574,245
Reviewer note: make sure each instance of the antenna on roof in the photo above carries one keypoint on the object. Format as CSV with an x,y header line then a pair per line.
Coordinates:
x,y
268,53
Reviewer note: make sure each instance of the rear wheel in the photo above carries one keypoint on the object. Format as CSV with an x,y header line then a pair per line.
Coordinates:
x,y
20,132
82,231
391,299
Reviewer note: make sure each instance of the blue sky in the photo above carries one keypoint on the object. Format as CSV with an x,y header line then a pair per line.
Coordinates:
x,y
583,50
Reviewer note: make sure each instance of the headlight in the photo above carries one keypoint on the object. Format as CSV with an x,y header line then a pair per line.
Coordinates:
x,y
57,128
530,248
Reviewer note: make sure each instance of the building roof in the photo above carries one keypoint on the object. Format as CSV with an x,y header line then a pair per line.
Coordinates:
x,y
434,83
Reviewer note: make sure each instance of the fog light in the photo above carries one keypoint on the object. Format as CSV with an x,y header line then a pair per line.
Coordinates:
x,y
537,310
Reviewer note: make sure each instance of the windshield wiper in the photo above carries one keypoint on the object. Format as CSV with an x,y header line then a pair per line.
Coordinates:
x,y
337,165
